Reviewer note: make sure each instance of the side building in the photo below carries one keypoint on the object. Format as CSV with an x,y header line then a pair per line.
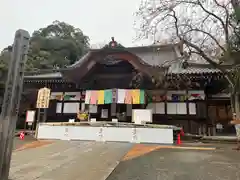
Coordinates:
x,y
193,98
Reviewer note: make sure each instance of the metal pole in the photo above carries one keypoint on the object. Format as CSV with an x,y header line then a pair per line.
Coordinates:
x,y
37,122
12,97
38,116
45,115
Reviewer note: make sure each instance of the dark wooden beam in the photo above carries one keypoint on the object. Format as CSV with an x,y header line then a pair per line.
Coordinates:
x,y
113,76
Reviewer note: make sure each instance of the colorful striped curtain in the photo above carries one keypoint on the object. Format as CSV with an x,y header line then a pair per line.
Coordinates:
x,y
135,96
121,93
87,97
94,96
108,96
128,97
142,97
100,97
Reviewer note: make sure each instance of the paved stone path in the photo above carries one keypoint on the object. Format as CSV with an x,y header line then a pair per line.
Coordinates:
x,y
179,164
68,160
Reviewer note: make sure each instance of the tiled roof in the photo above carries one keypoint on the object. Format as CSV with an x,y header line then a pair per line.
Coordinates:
x,y
46,75
151,55
192,70
189,70
173,69
82,59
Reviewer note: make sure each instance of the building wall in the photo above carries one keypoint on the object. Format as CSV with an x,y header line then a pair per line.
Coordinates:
x,y
157,57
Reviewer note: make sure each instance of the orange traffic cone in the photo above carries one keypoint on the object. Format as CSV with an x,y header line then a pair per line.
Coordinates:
x,y
179,139
21,136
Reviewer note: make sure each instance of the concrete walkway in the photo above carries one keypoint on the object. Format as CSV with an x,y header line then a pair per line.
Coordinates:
x,y
68,160
180,164
220,138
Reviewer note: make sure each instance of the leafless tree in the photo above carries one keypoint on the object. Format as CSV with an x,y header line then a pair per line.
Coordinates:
x,y
204,29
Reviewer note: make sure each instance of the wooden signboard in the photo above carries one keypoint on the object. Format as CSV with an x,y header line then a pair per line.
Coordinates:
x,y
43,98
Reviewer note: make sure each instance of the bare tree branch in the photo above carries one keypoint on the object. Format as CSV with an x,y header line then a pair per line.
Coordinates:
x,y
212,14
204,31
208,34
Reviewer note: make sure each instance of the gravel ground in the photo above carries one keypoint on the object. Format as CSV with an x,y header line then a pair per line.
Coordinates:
x,y
176,164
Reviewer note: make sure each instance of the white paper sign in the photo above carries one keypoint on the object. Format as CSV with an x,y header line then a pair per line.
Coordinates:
x,y
141,115
160,108
181,108
59,108
71,108
104,113
192,108
30,117
171,108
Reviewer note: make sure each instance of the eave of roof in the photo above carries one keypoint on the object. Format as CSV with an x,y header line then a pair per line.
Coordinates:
x,y
82,59
46,75
130,50
194,70
159,46
154,46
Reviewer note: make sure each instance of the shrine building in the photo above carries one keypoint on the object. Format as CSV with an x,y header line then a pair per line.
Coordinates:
x,y
111,81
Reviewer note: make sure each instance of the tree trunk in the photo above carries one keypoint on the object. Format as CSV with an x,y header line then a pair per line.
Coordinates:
x,y
235,104
236,116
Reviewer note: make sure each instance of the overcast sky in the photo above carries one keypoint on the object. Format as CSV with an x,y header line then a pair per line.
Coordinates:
x,y
99,19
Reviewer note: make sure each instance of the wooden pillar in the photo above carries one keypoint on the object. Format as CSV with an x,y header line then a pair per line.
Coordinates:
x,y
209,133
188,112
190,126
114,104
208,121
200,129
129,111
114,109
214,131
204,129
